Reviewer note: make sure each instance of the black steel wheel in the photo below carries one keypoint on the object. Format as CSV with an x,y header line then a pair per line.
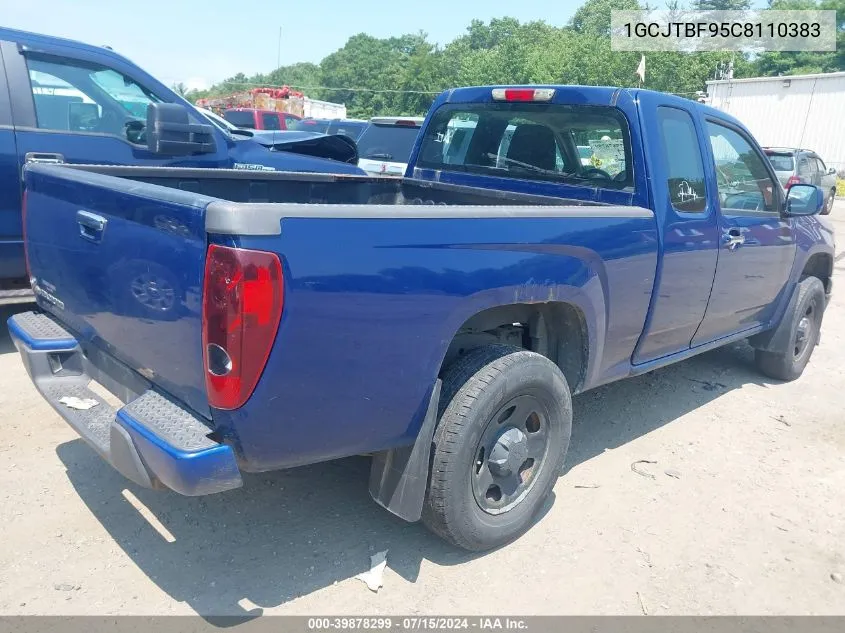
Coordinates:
x,y
510,452
506,418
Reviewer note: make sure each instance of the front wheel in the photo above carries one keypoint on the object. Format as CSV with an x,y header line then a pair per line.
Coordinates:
x,y
788,363
831,200
506,418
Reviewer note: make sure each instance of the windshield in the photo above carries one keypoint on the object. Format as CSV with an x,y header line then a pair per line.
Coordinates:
x,y
240,118
352,129
310,125
582,145
387,142
781,162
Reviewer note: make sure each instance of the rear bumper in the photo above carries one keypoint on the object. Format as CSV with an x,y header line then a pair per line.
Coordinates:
x,y
150,439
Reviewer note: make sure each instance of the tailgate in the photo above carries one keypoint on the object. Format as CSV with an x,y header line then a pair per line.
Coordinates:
x,y
120,263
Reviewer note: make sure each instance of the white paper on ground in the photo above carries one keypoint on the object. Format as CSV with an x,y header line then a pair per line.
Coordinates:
x,y
374,577
83,404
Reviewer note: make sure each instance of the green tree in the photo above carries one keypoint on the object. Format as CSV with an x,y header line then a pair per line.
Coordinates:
x,y
593,18
805,62
721,5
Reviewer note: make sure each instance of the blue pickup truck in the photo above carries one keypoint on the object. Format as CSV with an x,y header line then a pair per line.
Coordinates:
x,y
64,101
194,324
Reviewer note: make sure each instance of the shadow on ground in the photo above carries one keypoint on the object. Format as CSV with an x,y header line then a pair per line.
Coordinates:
x,y
290,533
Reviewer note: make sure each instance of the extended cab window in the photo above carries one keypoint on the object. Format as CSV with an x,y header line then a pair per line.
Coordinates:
x,y
741,175
78,97
578,145
682,157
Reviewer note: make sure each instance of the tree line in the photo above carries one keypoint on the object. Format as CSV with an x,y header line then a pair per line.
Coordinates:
x,y
402,75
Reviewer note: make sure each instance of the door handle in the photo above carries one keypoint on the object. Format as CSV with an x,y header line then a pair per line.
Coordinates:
x,y
43,157
91,226
733,239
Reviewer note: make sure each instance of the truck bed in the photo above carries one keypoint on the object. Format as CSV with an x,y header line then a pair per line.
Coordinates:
x,y
379,276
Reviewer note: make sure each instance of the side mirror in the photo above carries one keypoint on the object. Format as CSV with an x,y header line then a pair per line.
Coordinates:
x,y
804,200
831,171
170,132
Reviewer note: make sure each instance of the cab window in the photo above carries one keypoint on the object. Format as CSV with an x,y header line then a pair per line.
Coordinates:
x,y
270,121
743,181
78,97
682,158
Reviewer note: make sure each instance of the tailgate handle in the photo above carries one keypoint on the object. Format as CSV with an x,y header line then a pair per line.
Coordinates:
x,y
91,225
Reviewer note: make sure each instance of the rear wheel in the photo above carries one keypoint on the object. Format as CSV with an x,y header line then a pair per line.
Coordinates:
x,y
788,363
506,418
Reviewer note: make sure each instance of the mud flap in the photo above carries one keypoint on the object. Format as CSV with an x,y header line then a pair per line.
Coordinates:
x,y
777,339
399,477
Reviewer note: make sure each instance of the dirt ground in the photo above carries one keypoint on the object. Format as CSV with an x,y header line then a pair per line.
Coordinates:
x,y
750,520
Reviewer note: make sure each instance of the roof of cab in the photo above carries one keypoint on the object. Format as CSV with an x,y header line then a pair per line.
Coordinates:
x,y
34,39
596,95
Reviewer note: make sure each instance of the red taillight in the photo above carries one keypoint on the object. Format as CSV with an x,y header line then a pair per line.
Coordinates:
x,y
793,180
243,297
23,233
523,94
404,123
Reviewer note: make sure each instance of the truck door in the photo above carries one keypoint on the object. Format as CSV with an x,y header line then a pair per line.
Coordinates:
x,y
11,245
69,109
686,215
756,244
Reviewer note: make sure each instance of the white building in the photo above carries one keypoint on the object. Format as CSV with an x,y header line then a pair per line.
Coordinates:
x,y
806,111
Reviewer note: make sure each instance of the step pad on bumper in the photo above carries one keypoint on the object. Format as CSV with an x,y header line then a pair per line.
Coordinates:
x,y
96,420
170,422
41,332
151,440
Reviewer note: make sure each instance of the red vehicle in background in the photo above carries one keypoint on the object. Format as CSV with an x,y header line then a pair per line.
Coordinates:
x,y
255,119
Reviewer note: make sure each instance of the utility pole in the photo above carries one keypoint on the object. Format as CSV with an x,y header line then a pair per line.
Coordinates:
x,y
279,50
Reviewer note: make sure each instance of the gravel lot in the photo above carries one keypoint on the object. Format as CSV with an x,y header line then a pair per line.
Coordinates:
x,y
751,519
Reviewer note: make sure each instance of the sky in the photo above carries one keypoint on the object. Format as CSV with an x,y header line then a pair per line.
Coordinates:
x,y
200,42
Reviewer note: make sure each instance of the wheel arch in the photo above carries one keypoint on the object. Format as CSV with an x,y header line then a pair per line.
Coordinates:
x,y
819,265
558,330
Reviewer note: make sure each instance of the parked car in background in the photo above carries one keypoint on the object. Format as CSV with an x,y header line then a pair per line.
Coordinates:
x,y
254,119
385,146
315,144
353,128
68,102
802,166
309,124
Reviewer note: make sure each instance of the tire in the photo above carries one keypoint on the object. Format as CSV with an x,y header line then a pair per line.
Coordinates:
x,y
484,397
789,363
828,205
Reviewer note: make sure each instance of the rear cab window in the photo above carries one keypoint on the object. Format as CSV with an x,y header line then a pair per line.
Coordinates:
x,y
570,144
781,161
